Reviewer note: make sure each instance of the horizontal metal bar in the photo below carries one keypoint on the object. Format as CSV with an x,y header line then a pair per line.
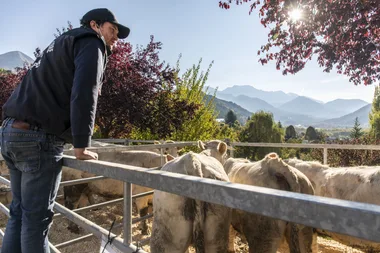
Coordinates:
x,y
5,181
81,181
143,242
139,195
251,144
123,140
97,230
114,201
352,218
135,147
53,248
82,209
82,238
73,241
299,145
5,210
135,220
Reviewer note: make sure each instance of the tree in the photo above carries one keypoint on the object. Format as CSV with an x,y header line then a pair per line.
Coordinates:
x,y
374,116
203,125
138,92
311,134
230,118
260,128
290,133
8,82
341,33
4,71
356,132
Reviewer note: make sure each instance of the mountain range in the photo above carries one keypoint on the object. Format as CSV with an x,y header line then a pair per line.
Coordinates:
x,y
288,108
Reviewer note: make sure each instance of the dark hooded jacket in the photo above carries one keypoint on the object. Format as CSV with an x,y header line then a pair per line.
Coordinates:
x,y
59,93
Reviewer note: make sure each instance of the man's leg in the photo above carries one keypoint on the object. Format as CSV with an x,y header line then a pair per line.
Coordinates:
x,y
12,237
39,190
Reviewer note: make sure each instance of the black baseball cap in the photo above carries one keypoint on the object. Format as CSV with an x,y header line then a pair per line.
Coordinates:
x,y
104,14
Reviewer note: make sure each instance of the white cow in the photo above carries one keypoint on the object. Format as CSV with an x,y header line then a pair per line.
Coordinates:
x,y
181,221
264,234
173,151
82,195
360,184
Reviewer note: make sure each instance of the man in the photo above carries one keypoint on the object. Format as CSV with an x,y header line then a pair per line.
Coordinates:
x,y
54,103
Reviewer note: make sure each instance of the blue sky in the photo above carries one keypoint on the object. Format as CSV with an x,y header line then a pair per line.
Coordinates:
x,y
196,29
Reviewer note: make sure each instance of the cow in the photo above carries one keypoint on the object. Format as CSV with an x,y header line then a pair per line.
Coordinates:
x,y
5,194
360,184
180,221
173,151
265,234
77,196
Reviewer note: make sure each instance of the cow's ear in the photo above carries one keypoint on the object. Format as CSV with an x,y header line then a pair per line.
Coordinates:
x,y
157,142
201,145
169,157
222,148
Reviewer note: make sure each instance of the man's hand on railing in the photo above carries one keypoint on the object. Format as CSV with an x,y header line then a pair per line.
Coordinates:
x,y
83,154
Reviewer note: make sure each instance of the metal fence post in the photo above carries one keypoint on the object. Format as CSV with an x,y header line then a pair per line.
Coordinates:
x,y
228,142
325,155
127,219
162,156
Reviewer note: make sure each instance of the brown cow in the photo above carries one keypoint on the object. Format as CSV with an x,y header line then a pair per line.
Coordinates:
x,y
181,221
264,234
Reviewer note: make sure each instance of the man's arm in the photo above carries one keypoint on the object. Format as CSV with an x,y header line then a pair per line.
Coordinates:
x,y
88,53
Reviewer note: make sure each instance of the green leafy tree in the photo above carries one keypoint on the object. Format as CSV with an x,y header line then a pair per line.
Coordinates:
x,y
374,116
230,118
260,128
356,132
4,71
203,125
311,134
290,133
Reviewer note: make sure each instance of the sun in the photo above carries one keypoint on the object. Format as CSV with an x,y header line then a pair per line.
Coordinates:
x,y
295,14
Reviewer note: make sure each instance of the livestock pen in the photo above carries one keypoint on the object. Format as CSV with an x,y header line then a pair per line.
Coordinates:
x,y
345,217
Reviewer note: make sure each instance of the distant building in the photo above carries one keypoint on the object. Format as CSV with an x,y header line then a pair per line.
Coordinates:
x,y
331,138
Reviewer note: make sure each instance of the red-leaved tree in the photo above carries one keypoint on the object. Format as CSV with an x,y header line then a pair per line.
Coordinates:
x,y
139,92
8,82
341,33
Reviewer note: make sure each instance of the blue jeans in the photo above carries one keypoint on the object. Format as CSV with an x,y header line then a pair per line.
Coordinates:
x,y
34,159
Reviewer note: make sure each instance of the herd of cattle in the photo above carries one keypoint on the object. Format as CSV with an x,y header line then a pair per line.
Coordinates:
x,y
179,222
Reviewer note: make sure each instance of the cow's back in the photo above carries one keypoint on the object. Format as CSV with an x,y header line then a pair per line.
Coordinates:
x,y
265,233
180,221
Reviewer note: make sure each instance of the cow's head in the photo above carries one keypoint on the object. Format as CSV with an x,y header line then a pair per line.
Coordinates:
x,y
214,148
173,151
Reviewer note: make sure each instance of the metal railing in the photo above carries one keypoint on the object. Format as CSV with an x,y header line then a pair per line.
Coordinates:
x,y
325,147
345,217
